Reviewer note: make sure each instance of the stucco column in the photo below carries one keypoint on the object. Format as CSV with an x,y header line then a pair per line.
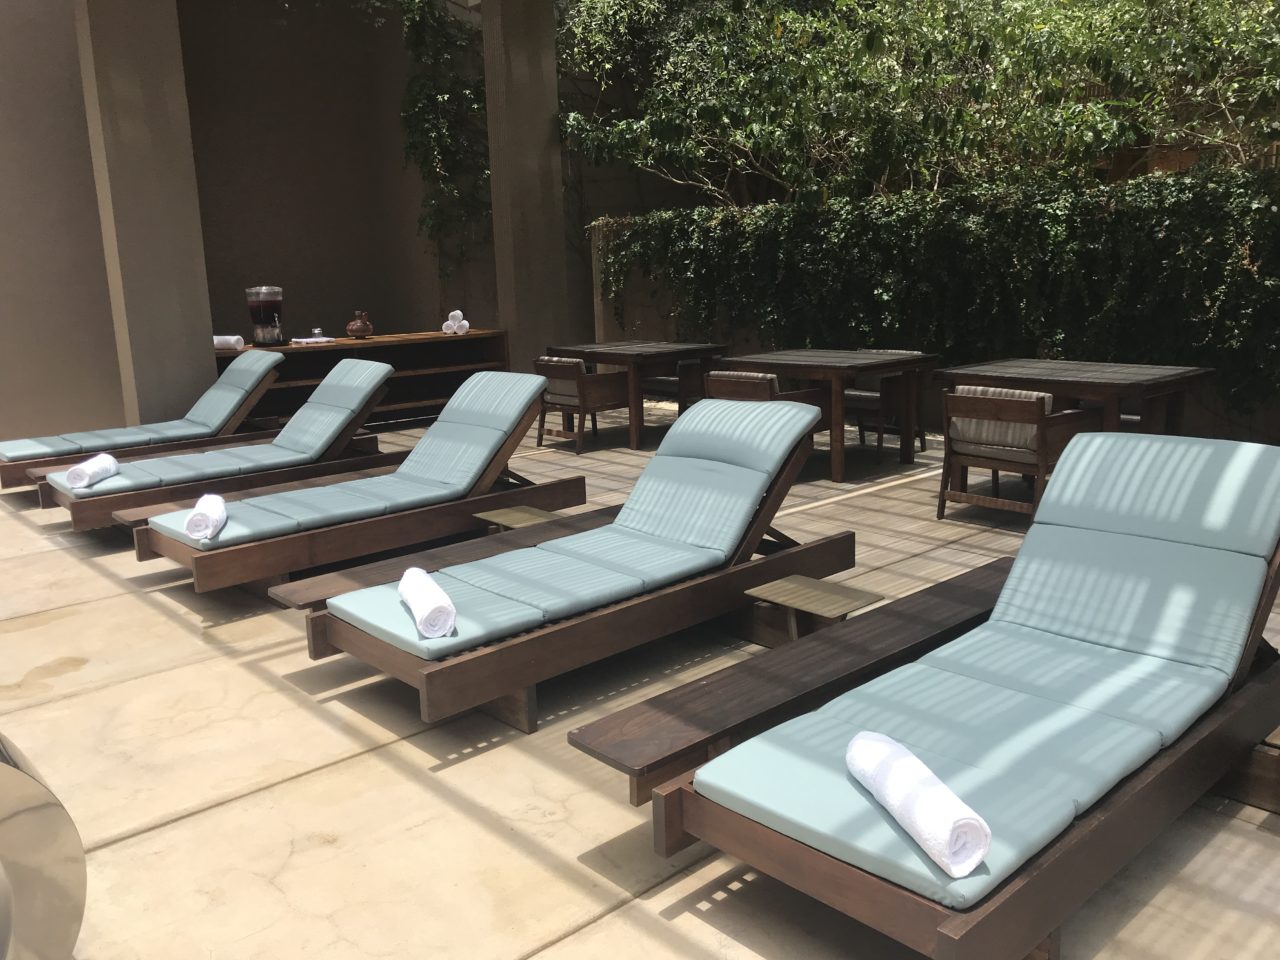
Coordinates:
x,y
140,139
527,188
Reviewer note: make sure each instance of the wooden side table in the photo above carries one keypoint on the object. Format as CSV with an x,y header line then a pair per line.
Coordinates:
x,y
796,606
512,518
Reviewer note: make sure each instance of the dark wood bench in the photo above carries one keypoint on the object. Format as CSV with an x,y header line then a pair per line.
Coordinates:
x,y
676,731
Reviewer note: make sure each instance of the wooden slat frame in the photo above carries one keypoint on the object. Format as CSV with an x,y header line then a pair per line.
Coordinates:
x,y
22,473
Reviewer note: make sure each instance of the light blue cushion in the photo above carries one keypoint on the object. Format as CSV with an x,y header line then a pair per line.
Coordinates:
x,y
1162,695
350,384
793,779
129,477
482,616
1213,493
653,561
244,523
757,435
190,467
557,585
36,448
493,399
216,405
1154,597
247,370
398,493
320,506
313,428
171,431
703,503
91,441
452,454
1079,753
256,457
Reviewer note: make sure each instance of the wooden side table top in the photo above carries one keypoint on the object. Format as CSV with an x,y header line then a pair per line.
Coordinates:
x,y
513,518
819,597
366,343
623,352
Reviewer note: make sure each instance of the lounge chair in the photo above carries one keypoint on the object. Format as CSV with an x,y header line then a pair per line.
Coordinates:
x,y
435,492
1122,672
678,553
317,441
213,420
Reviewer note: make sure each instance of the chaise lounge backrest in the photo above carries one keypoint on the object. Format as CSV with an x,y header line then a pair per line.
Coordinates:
x,y
1153,545
474,424
242,376
705,482
345,390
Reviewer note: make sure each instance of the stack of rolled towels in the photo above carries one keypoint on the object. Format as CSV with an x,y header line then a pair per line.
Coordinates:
x,y
93,470
944,826
456,323
207,517
433,612
228,343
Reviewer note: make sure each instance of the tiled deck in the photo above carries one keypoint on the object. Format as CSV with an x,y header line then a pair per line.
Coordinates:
x,y
240,801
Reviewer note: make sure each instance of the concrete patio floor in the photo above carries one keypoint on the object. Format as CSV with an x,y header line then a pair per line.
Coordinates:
x,y
240,802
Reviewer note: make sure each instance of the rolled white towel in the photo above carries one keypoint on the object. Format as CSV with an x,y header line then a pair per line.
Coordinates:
x,y
448,326
92,470
228,343
462,326
945,827
433,612
206,518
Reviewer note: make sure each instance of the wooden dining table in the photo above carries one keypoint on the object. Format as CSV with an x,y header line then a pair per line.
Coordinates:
x,y
1160,392
641,359
838,368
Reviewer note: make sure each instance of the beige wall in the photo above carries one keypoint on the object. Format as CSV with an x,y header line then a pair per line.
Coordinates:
x,y
136,107
296,124
58,366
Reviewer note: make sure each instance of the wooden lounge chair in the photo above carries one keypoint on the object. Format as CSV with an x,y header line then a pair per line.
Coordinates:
x,y
678,553
435,492
319,440
1014,431
1121,674
211,422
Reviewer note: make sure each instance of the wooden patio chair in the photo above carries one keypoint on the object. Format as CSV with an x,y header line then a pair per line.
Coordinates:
x,y
747,385
457,470
685,388
211,422
574,392
679,552
875,399
1011,431
318,441
1121,673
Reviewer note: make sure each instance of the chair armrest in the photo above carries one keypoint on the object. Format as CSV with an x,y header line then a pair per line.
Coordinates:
x,y
604,389
1058,428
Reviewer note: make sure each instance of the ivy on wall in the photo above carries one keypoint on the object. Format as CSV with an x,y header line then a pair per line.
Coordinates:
x,y
1178,269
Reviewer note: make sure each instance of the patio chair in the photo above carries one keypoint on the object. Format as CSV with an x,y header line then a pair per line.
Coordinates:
x,y
575,393
747,385
685,388
319,440
1014,431
875,399
1121,673
457,470
210,422
678,553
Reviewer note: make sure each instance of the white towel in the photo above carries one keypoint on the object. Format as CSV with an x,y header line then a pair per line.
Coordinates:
x,y
92,470
945,827
206,518
433,612
310,340
455,323
448,326
228,343
462,326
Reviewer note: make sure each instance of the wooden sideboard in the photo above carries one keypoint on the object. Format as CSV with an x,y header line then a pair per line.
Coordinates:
x,y
429,368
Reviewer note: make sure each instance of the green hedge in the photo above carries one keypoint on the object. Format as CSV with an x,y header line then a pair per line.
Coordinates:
x,y
1178,269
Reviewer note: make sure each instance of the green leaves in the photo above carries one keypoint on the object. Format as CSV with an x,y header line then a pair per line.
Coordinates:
x,y
1159,269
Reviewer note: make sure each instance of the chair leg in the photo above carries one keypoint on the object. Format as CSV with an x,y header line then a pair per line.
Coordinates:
x,y
963,483
862,430
880,434
1037,491
595,433
945,482
542,425
920,433
582,431
995,483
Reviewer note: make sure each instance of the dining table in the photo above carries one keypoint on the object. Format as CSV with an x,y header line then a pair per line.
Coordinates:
x,y
640,359
1158,392
838,368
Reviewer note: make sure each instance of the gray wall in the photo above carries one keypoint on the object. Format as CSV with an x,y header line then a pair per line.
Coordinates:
x,y
58,367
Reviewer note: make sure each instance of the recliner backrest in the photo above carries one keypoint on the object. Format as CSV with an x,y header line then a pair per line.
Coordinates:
x,y
215,406
328,411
